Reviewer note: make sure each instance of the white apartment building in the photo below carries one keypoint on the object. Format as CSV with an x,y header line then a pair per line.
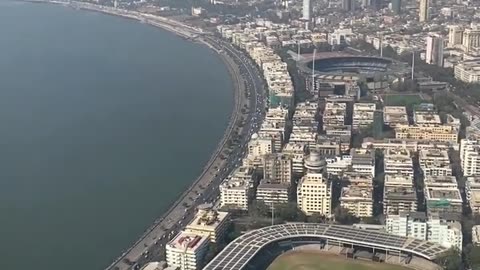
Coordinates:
x,y
408,224
472,192
409,144
327,146
358,179
440,181
470,156
426,118
187,251
269,192
436,228
305,138
314,194
468,71
358,200
398,180
235,191
397,199
334,114
435,162
476,235
297,153
360,161
444,232
363,161
443,199
277,115
398,161
395,115
363,115
260,146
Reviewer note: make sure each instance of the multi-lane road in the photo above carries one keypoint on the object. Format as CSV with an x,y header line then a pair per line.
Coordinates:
x,y
246,77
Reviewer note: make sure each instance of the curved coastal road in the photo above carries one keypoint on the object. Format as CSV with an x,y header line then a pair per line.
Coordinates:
x,y
150,247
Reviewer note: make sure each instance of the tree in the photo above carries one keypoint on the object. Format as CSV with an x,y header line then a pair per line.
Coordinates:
x,y
473,256
289,212
450,260
258,209
343,216
316,218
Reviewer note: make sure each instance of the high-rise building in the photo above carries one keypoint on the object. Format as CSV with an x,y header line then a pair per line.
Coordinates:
x,y
314,194
455,35
434,51
307,10
397,6
470,156
423,12
348,5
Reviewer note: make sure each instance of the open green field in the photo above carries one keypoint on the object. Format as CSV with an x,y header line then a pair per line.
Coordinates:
x,y
312,260
402,100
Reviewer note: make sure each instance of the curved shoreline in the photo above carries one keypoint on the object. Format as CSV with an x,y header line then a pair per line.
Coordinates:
x,y
191,34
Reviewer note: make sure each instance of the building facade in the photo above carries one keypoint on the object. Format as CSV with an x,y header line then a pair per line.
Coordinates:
x,y
187,251
314,195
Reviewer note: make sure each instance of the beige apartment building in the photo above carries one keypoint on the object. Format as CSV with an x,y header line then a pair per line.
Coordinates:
x,y
358,200
442,133
314,194
210,223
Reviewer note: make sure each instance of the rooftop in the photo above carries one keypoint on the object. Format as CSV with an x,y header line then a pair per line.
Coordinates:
x,y
187,241
207,219
356,193
404,193
440,181
438,193
397,180
266,184
395,110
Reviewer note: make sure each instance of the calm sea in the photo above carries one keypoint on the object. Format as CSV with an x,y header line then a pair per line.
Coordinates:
x,y
103,123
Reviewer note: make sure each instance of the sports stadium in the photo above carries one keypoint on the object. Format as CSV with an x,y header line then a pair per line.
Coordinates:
x,y
257,249
346,67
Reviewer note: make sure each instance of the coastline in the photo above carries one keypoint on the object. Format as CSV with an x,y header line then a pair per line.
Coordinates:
x,y
191,34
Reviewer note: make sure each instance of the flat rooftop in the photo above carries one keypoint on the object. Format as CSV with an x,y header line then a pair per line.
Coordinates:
x,y
437,154
427,118
440,180
475,198
400,151
364,107
451,194
266,184
187,241
352,193
395,110
400,193
207,219
397,180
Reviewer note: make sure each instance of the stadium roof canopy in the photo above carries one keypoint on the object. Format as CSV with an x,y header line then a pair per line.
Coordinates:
x,y
239,252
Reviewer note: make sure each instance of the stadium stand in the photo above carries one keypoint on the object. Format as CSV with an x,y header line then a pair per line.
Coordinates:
x,y
258,248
